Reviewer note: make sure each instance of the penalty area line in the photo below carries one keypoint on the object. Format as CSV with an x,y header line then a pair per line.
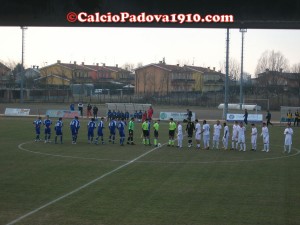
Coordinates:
x,y
80,188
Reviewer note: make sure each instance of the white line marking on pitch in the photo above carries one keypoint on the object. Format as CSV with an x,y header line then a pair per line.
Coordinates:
x,y
20,146
160,162
80,188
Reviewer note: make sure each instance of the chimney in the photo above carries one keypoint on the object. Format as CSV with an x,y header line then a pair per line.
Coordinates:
x,y
214,68
280,70
33,66
117,65
208,68
37,67
177,64
58,61
160,62
74,62
97,64
82,63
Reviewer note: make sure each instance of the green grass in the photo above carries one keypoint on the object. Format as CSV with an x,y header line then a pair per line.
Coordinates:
x,y
165,187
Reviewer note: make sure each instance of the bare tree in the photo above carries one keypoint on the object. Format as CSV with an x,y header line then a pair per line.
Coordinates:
x,y
128,66
295,68
139,64
274,61
234,69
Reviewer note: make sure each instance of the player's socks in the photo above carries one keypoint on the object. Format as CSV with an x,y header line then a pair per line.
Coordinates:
x,y
61,139
290,148
155,141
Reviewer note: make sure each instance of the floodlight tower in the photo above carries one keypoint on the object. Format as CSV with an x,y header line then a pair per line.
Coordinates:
x,y
225,110
22,69
243,31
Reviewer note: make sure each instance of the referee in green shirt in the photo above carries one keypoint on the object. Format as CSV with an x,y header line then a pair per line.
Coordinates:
x,y
172,128
145,128
156,129
130,132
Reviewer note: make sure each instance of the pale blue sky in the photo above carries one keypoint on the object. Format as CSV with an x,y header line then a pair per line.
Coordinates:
x,y
204,47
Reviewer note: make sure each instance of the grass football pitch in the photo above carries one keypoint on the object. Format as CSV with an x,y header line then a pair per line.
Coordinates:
x,y
109,184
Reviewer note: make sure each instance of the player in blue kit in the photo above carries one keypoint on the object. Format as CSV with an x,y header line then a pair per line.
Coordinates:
x,y
121,128
58,130
37,124
91,127
112,130
47,123
74,126
100,131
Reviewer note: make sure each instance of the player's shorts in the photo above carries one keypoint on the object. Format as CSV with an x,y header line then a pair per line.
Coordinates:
x,y
91,133
172,133
74,131
241,139
234,137
155,133
47,130
130,132
146,133
121,133
266,139
100,133
288,140
112,132
216,137
253,138
38,130
190,134
198,136
58,131
206,138
180,136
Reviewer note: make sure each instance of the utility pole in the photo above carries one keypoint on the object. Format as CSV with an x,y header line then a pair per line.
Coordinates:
x,y
227,77
22,69
243,31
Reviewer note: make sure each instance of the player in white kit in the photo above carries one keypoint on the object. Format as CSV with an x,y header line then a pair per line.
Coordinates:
x,y
253,137
234,135
216,136
179,135
288,132
266,137
206,134
241,137
225,136
198,133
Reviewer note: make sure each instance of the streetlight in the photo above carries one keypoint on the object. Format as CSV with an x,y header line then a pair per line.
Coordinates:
x,y
243,31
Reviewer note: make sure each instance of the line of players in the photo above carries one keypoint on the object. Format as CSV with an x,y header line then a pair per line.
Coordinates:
x,y
114,125
237,137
